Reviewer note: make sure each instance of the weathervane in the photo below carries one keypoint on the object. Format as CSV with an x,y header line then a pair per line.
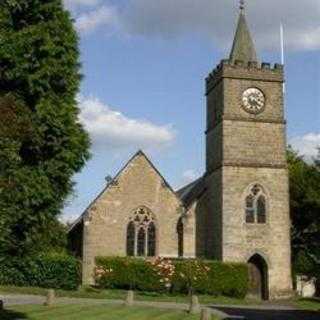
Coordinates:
x,y
242,5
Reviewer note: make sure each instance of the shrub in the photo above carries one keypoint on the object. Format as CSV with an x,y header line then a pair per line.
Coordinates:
x,y
127,273
177,276
211,277
57,271
190,276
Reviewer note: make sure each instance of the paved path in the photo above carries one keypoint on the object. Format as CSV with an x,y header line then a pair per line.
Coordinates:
x,y
267,313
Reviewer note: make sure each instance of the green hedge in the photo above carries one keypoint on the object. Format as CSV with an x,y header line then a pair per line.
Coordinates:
x,y
56,271
176,276
128,273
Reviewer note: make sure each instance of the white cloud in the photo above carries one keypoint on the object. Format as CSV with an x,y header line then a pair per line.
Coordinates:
x,y
102,16
187,177
306,145
190,175
112,129
77,3
214,20
68,218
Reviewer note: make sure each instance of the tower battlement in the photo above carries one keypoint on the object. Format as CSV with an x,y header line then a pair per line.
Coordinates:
x,y
251,70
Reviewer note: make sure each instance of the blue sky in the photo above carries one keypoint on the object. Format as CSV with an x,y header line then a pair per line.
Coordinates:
x,y
144,65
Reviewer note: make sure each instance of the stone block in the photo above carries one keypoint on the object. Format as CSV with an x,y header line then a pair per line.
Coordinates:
x,y
194,306
50,298
129,301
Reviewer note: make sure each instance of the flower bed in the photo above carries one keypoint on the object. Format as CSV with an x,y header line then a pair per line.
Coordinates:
x,y
174,276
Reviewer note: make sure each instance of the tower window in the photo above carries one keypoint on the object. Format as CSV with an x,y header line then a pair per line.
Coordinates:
x,y
256,205
250,209
261,209
141,234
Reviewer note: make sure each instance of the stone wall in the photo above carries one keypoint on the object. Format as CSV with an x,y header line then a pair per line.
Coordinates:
x,y
214,130
273,91
243,149
254,143
213,199
105,225
270,240
189,232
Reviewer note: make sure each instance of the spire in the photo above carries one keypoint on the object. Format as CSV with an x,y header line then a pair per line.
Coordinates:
x,y
243,47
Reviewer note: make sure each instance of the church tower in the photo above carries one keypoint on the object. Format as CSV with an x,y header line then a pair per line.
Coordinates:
x,y
246,169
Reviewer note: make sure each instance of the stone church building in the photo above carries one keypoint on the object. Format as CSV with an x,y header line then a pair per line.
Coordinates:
x,y
238,211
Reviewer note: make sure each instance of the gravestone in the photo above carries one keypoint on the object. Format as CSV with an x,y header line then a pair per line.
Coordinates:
x,y
194,305
129,298
205,314
50,298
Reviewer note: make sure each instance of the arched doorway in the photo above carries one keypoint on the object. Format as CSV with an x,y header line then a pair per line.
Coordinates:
x,y
258,278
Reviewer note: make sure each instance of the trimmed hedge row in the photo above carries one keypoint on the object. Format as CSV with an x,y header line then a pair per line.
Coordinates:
x,y
56,271
175,276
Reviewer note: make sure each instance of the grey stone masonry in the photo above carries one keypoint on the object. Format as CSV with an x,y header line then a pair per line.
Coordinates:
x,y
245,149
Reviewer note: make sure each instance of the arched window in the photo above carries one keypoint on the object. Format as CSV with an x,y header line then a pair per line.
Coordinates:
x,y
141,242
256,205
141,234
180,237
151,240
261,209
130,239
250,209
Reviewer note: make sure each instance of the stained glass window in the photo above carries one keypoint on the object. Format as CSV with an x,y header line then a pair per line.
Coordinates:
x,y
130,239
151,240
141,242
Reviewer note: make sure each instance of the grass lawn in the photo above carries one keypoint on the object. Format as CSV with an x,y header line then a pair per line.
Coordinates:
x,y
304,304
308,303
77,312
120,295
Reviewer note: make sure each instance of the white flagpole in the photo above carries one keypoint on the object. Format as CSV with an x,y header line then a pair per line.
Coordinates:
x,y
283,62
282,43
282,54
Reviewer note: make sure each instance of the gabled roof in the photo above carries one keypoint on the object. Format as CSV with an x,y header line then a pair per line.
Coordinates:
x,y
139,153
243,48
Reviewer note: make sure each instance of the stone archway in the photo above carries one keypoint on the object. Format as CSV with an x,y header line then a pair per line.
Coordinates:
x,y
258,277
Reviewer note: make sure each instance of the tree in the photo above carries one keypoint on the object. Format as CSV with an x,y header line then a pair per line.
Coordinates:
x,y
45,145
305,212
317,160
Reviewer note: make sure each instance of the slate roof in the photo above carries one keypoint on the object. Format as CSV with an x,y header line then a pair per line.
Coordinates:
x,y
192,192
243,47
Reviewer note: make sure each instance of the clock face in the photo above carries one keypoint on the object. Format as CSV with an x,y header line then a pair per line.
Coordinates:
x,y
253,100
